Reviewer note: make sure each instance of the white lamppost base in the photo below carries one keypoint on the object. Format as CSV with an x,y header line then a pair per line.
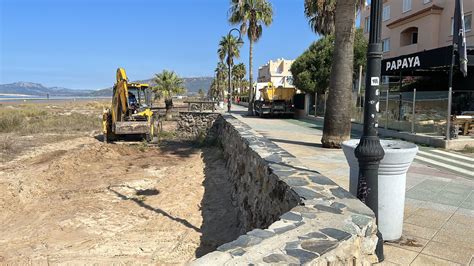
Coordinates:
x,y
392,182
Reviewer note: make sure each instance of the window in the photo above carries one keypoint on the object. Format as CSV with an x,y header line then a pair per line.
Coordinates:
x,y
409,36
467,23
366,24
386,45
406,5
414,37
386,13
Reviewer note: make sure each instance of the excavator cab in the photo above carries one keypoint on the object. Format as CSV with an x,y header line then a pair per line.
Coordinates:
x,y
130,113
139,97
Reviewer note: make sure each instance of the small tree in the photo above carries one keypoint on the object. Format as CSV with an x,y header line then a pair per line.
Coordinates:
x,y
168,83
311,70
201,93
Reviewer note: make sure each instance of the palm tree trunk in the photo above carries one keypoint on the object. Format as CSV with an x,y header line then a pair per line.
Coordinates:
x,y
218,90
337,120
251,93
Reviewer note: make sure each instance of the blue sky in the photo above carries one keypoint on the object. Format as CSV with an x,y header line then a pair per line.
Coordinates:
x,y
80,43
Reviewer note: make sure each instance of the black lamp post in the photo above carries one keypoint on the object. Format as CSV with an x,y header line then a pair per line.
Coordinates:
x,y
369,152
229,90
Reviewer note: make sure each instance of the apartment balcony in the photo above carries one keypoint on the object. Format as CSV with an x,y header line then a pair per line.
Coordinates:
x,y
408,49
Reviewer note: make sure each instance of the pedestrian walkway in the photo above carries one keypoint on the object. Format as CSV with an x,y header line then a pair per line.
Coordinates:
x,y
439,204
449,160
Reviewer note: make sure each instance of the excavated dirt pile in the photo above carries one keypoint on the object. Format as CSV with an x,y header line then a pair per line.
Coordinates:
x,y
81,201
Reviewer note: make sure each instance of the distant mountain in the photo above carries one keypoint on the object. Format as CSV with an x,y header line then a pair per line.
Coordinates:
x,y
36,89
192,86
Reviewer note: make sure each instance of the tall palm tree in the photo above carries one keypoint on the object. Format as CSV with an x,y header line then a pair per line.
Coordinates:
x,y
229,49
221,76
238,73
338,16
320,14
168,83
212,93
251,14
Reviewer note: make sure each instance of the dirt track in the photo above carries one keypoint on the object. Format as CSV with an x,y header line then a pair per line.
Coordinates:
x,y
82,201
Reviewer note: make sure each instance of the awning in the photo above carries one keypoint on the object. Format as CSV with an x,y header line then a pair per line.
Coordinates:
x,y
422,63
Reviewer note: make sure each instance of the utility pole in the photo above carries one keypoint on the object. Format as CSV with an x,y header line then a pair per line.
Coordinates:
x,y
369,152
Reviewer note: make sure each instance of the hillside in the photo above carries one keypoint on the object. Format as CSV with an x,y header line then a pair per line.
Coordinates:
x,y
192,86
36,89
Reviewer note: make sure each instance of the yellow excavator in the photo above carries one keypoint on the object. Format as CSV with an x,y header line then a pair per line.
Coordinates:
x,y
130,113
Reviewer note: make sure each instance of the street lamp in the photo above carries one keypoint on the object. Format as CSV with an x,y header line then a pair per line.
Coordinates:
x,y
369,152
239,42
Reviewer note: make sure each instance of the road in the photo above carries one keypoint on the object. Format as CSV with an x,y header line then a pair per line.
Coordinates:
x,y
439,199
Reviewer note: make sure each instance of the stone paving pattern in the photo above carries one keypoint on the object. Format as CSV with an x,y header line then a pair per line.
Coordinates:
x,y
290,214
439,205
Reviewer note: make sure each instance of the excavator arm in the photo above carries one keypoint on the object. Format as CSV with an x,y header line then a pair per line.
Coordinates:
x,y
120,100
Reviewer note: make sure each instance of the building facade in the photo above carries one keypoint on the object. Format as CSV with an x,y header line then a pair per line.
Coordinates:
x,y
411,26
278,72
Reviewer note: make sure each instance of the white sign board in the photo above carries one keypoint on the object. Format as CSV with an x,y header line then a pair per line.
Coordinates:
x,y
374,81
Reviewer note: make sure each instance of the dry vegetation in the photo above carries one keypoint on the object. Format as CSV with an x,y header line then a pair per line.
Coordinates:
x,y
27,125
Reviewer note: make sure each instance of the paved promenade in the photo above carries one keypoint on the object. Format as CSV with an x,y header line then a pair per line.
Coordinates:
x,y
439,204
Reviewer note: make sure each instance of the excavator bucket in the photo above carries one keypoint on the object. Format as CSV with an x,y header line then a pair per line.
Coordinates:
x,y
132,127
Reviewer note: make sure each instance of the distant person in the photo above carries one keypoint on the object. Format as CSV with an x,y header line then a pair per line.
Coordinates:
x,y
132,100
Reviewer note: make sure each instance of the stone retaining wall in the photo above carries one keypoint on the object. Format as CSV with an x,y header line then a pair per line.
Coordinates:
x,y
289,214
197,124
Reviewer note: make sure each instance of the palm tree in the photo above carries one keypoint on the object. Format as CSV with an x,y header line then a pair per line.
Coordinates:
x,y
320,14
168,83
323,20
212,93
251,14
238,73
221,76
229,49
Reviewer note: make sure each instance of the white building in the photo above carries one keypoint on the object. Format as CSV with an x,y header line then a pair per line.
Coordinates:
x,y
278,72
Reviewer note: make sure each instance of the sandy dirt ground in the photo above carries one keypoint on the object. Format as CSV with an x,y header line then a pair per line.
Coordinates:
x,y
80,201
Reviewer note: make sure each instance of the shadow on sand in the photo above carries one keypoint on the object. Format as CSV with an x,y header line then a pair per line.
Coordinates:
x,y
148,207
181,148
